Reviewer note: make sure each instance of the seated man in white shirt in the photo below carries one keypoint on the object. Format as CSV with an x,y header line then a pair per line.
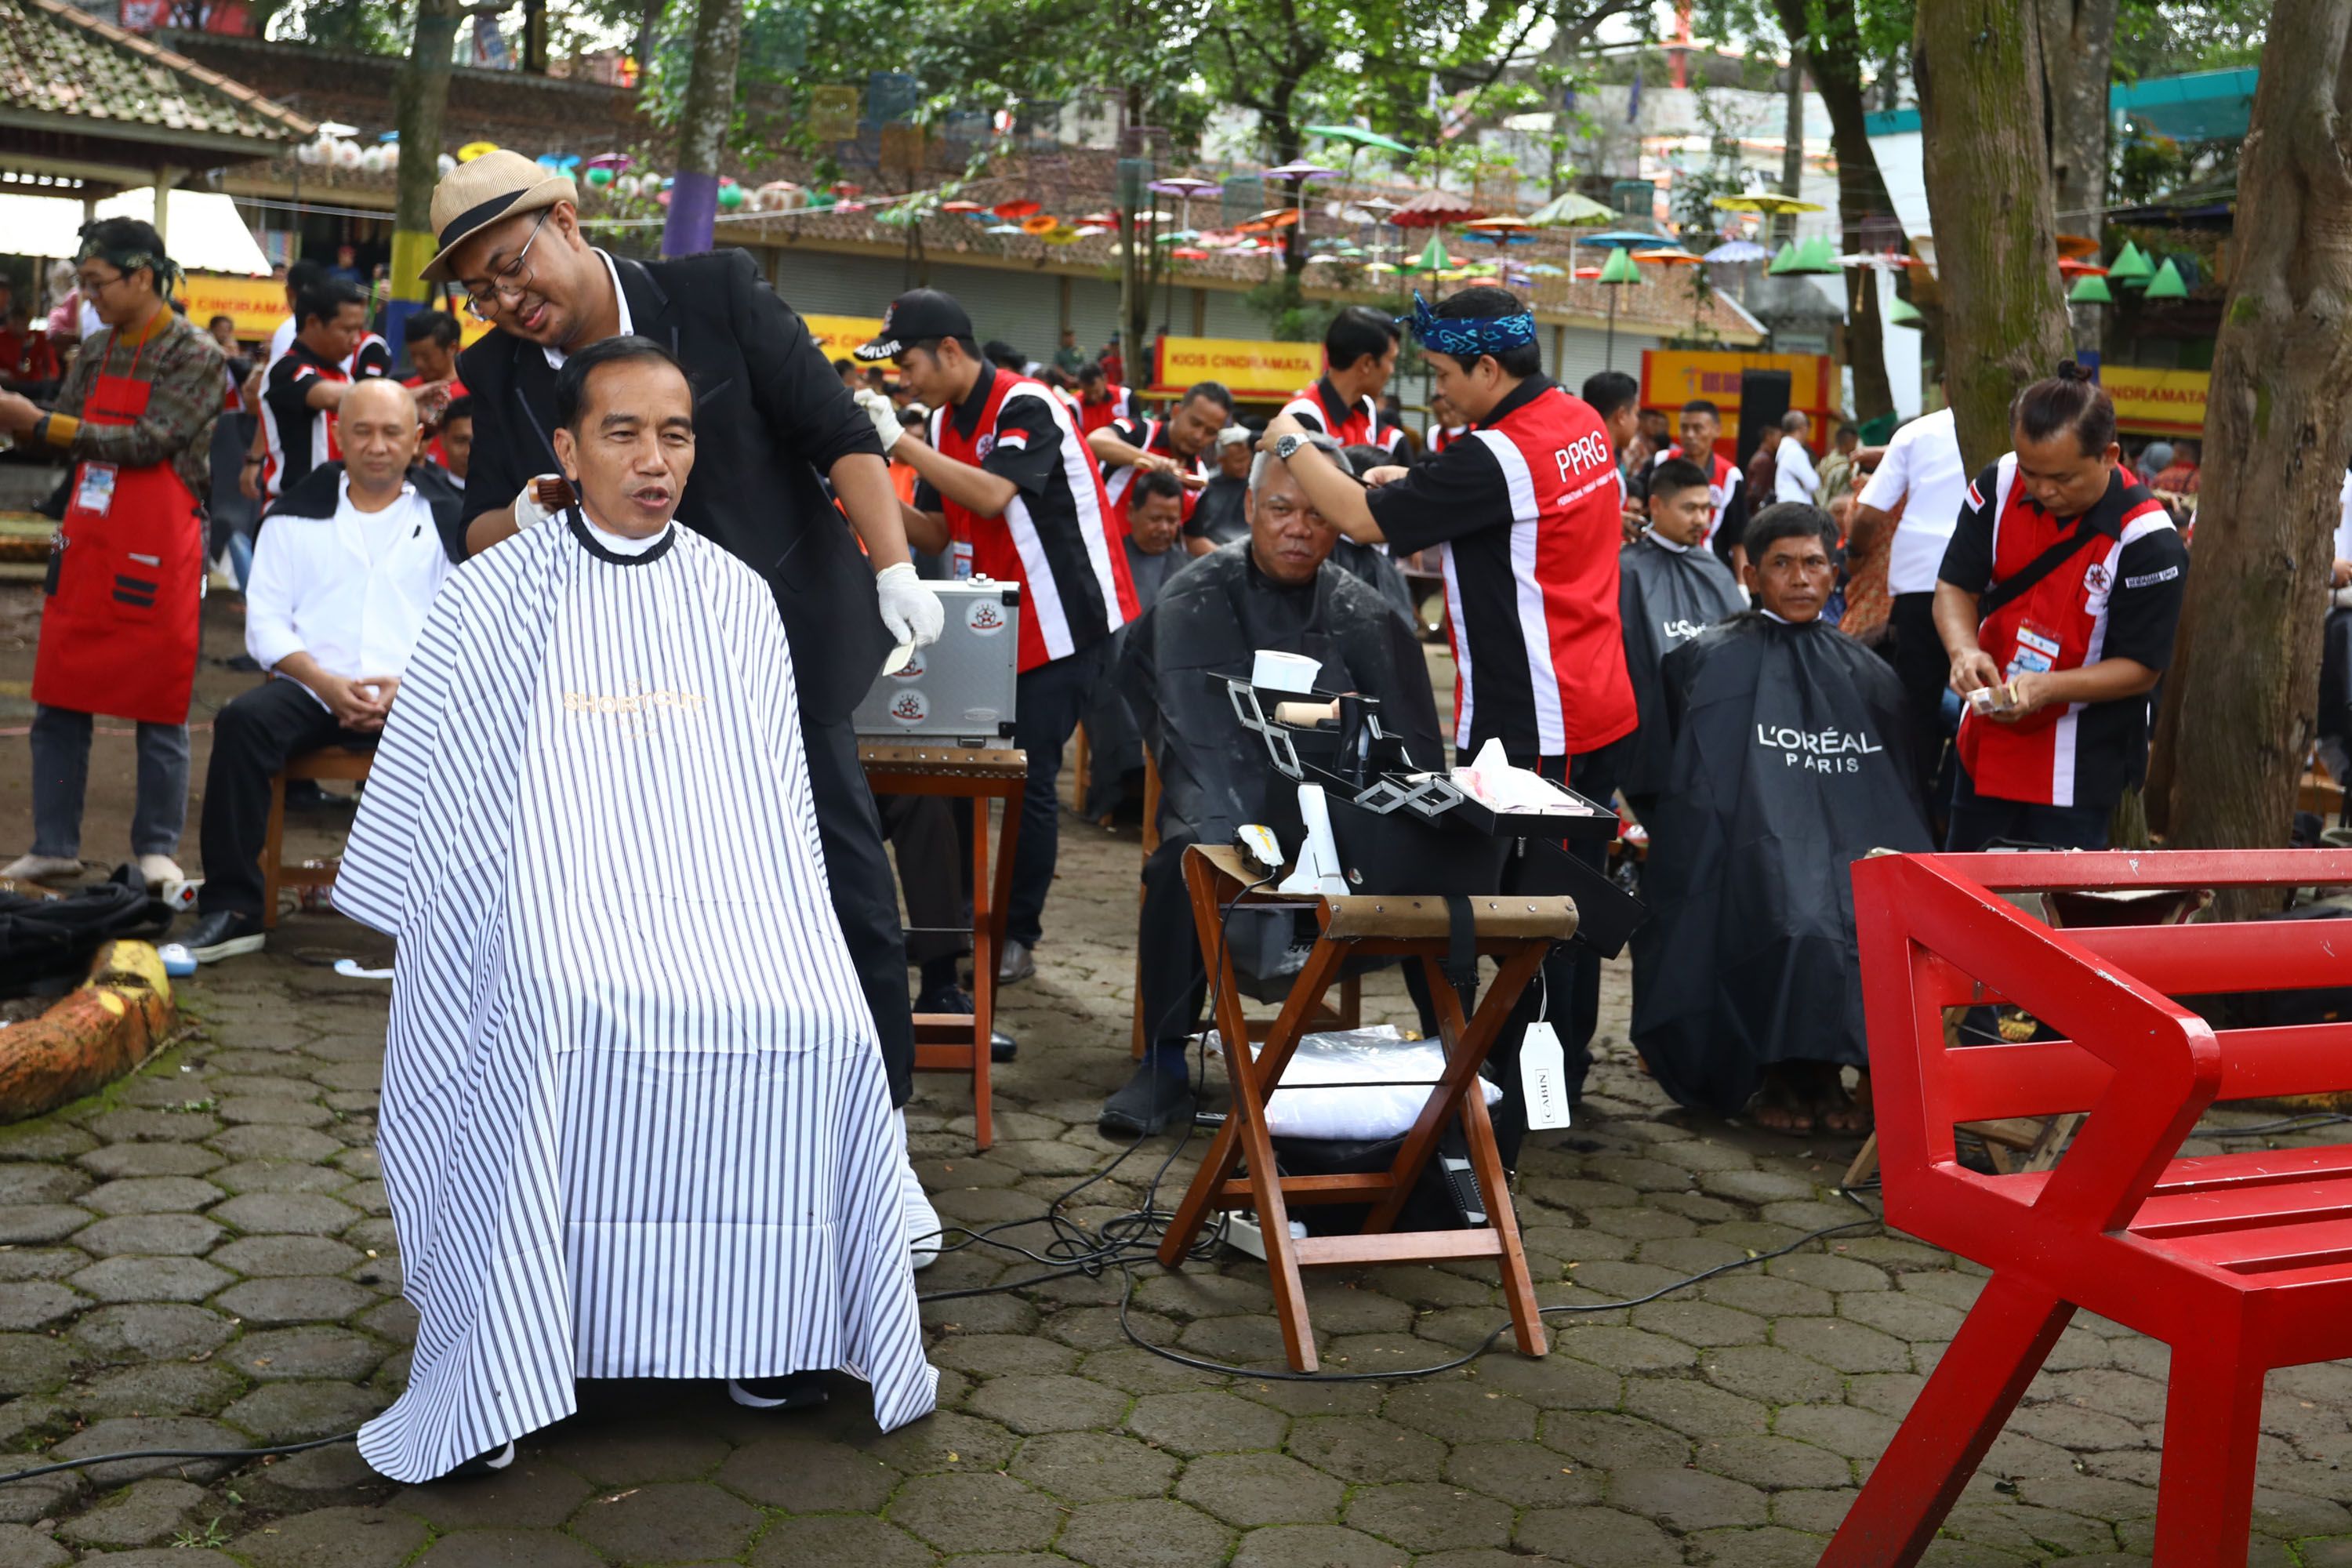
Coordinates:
x,y
343,572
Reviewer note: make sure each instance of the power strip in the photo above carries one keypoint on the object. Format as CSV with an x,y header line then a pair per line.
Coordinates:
x,y
1244,1235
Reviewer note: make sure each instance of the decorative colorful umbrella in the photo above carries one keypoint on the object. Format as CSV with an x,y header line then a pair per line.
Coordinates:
x,y
1299,169
1005,229
1737,250
1189,253
1766,202
1569,210
1042,224
1435,209
1359,136
1546,269
465,154
1618,270
959,206
1090,230
1016,209
1624,239
616,161
1666,256
1277,217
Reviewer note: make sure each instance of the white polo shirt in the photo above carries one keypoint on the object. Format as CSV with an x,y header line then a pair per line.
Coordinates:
x,y
350,590
1922,473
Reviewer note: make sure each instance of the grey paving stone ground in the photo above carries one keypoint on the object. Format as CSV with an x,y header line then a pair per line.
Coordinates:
x,y
202,1257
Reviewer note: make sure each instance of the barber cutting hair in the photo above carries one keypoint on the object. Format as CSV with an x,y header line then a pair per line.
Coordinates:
x,y
1523,512
770,417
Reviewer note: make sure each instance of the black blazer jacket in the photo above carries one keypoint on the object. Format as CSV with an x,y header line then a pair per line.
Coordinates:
x,y
770,416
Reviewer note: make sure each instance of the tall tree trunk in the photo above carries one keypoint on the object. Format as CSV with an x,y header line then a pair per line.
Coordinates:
x,y
420,108
2238,708
710,109
1988,177
2078,41
1833,59
1792,130
2077,45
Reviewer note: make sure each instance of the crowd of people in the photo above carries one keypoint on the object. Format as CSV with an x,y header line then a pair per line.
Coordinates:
x,y
490,567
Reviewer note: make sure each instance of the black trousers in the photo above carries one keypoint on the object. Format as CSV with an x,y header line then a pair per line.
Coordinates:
x,y
1174,977
865,900
1048,702
934,871
1978,819
1925,671
1568,993
253,737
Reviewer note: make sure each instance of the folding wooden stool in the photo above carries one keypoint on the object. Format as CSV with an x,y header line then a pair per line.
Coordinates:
x,y
1517,932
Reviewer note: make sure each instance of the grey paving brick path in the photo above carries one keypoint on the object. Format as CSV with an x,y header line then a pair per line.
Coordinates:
x,y
202,1257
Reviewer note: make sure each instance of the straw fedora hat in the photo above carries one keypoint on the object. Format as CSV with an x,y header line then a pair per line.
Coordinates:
x,y
472,196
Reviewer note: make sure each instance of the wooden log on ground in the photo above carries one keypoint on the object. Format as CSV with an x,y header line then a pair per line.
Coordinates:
x,y
118,1018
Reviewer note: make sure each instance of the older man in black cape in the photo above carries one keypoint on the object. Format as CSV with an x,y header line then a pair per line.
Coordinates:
x,y
1273,590
1790,762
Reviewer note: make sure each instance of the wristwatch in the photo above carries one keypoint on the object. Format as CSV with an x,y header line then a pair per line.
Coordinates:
x,y
1285,445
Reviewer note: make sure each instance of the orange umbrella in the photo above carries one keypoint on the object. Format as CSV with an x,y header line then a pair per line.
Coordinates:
x,y
1255,228
1668,257
1043,223
1277,217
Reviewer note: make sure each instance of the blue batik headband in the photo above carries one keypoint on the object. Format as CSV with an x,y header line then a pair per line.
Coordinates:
x,y
1468,337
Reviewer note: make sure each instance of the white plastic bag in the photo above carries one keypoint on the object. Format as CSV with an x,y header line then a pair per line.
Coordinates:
x,y
1398,1072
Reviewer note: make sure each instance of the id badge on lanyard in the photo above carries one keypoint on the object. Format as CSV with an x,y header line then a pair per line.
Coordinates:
x,y
95,493
2036,652
962,557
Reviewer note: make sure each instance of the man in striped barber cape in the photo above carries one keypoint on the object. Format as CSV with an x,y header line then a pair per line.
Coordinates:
x,y
635,1118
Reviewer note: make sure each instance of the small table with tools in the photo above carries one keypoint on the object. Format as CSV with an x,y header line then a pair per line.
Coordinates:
x,y
1514,930
951,1042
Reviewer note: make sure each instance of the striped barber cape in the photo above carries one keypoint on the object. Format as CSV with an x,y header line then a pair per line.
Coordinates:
x,y
635,1119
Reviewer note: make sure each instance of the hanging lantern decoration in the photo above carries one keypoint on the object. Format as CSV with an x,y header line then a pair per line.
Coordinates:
x,y
347,155
598,178
2090,289
372,159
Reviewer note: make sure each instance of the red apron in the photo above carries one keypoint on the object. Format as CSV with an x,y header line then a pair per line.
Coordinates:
x,y
119,628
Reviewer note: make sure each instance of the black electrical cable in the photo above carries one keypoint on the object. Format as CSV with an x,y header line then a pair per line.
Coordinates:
x,y
1122,1242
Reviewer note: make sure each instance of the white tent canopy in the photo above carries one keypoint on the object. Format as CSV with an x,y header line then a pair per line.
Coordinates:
x,y
206,233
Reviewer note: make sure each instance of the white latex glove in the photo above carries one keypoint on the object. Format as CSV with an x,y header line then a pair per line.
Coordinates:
x,y
528,512
910,608
887,428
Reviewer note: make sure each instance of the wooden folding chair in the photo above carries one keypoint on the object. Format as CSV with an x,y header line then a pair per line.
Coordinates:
x,y
329,763
1517,932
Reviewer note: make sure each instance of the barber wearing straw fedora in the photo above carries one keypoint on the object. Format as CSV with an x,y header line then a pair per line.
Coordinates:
x,y
772,423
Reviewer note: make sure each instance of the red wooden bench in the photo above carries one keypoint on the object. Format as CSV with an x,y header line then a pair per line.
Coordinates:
x,y
2240,1262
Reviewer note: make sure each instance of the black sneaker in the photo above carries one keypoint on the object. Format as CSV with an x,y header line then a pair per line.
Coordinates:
x,y
1002,1047
1151,1100
224,935
794,1390
488,1464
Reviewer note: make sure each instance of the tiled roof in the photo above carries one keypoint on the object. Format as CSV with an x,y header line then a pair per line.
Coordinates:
x,y
56,59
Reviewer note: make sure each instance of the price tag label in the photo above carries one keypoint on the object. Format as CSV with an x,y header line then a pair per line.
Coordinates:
x,y
1543,1077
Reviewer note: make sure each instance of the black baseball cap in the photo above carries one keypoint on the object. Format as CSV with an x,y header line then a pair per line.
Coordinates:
x,y
913,316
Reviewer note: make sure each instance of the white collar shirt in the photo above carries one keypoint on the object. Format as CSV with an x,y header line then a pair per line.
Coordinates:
x,y
1792,475
351,590
555,357
1922,473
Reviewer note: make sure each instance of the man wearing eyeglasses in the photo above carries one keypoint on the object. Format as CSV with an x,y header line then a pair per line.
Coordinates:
x,y
772,424
120,610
